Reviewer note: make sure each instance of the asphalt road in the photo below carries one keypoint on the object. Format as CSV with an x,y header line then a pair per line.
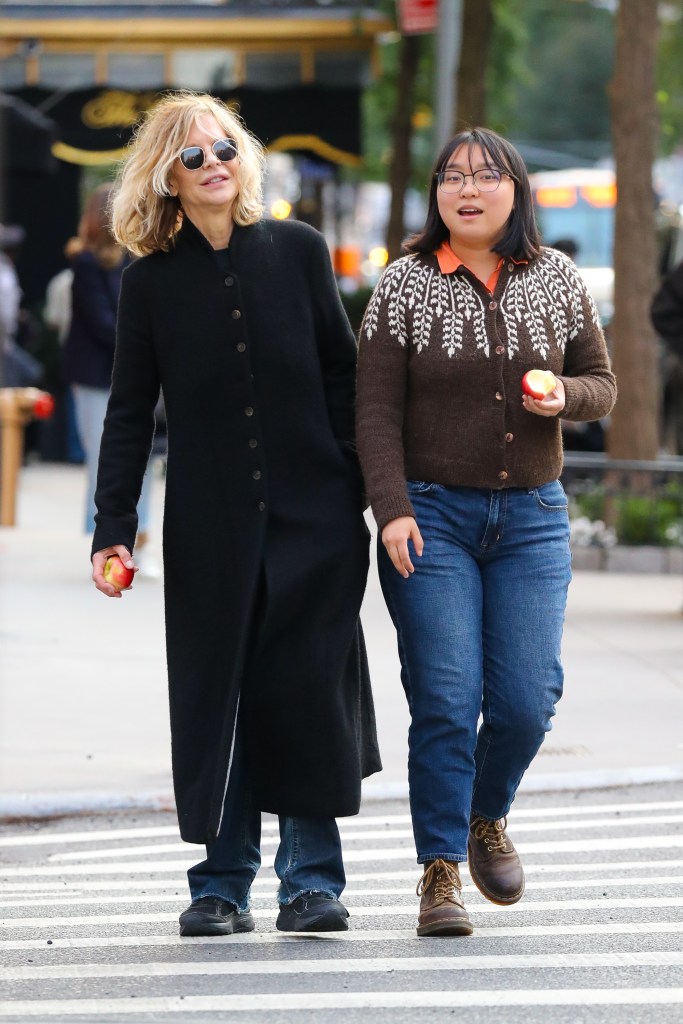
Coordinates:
x,y
88,927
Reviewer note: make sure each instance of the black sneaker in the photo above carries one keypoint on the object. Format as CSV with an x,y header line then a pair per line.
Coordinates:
x,y
313,912
211,915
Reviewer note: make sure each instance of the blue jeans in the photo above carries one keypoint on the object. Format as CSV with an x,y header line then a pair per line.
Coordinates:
x,y
479,627
91,408
309,856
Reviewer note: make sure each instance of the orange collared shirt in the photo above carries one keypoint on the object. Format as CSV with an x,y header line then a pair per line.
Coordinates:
x,y
449,262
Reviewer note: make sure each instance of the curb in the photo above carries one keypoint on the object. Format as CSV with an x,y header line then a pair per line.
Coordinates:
x,y
555,782
40,806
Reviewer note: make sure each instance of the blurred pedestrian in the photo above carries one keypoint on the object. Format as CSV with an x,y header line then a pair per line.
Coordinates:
x,y
239,321
474,555
20,367
57,311
566,245
667,310
667,317
57,316
89,344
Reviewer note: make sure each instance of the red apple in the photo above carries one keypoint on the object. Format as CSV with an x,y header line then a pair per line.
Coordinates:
x,y
43,406
117,574
538,383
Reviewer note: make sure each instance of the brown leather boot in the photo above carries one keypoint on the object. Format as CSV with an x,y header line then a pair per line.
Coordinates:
x,y
494,863
442,911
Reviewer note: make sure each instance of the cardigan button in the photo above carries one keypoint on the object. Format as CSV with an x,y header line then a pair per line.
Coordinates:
x,y
229,282
511,267
509,437
235,314
499,397
248,411
502,475
500,350
493,304
241,347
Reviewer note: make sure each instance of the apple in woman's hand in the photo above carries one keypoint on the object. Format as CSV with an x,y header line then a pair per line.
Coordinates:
x,y
116,573
538,383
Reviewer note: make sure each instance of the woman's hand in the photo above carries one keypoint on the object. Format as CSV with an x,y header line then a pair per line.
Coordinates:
x,y
98,563
395,537
551,405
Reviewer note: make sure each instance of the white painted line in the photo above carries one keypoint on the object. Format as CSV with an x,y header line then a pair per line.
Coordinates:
x,y
46,838
270,881
344,965
620,928
527,906
74,900
393,834
594,845
284,1001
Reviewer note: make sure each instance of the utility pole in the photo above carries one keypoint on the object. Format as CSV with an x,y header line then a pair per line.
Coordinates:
x,y
447,59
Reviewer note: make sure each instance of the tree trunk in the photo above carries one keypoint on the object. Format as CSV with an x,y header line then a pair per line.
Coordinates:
x,y
633,432
477,29
399,171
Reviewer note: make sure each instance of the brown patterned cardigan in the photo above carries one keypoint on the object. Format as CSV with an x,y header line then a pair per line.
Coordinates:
x,y
439,375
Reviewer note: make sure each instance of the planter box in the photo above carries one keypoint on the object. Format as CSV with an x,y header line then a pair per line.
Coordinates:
x,y
645,558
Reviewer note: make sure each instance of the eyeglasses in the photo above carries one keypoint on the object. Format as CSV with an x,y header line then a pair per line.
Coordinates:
x,y
194,156
485,180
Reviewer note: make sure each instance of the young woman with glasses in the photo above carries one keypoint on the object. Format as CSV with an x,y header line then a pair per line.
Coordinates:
x,y
239,321
461,468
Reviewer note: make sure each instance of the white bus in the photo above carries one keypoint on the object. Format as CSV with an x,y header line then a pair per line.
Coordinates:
x,y
577,206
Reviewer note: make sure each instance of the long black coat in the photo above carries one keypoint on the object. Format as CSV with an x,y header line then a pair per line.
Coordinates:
x,y
263,501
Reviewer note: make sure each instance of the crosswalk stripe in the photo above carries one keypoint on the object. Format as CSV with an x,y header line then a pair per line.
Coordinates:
x,y
389,834
111,884
152,831
596,845
344,965
73,900
602,903
284,1001
355,935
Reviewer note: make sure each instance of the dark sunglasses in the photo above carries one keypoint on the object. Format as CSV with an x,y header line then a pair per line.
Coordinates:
x,y
194,156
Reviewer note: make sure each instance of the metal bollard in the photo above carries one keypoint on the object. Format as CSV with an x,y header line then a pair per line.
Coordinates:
x,y
17,407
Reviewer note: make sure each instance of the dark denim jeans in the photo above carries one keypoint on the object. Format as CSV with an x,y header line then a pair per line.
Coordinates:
x,y
309,856
479,627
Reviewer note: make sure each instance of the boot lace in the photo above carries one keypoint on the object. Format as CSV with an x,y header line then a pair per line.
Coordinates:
x,y
491,832
445,878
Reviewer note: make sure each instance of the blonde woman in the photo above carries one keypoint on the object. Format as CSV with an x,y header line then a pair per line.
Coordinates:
x,y
239,321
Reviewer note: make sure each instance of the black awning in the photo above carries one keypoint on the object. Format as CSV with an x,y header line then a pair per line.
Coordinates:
x,y
94,125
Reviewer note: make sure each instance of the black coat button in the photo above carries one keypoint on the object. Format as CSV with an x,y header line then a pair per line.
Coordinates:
x,y
253,442
261,506
248,411
235,314
256,474
229,282
241,347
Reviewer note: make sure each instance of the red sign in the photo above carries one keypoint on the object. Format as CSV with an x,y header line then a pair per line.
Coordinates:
x,y
415,16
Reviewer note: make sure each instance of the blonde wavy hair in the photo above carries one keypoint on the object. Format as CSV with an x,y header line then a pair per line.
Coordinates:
x,y
145,216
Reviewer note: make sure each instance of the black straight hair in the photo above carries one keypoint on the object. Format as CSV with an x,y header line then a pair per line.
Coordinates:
x,y
520,238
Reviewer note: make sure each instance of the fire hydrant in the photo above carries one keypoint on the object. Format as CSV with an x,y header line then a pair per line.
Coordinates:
x,y
17,407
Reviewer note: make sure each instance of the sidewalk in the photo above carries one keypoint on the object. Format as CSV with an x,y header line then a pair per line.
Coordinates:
x,y
83,714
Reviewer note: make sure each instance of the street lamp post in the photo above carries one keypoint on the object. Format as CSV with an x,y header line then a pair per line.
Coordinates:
x,y
447,60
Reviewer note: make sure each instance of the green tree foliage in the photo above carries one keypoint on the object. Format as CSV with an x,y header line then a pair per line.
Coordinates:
x,y
558,93
670,76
